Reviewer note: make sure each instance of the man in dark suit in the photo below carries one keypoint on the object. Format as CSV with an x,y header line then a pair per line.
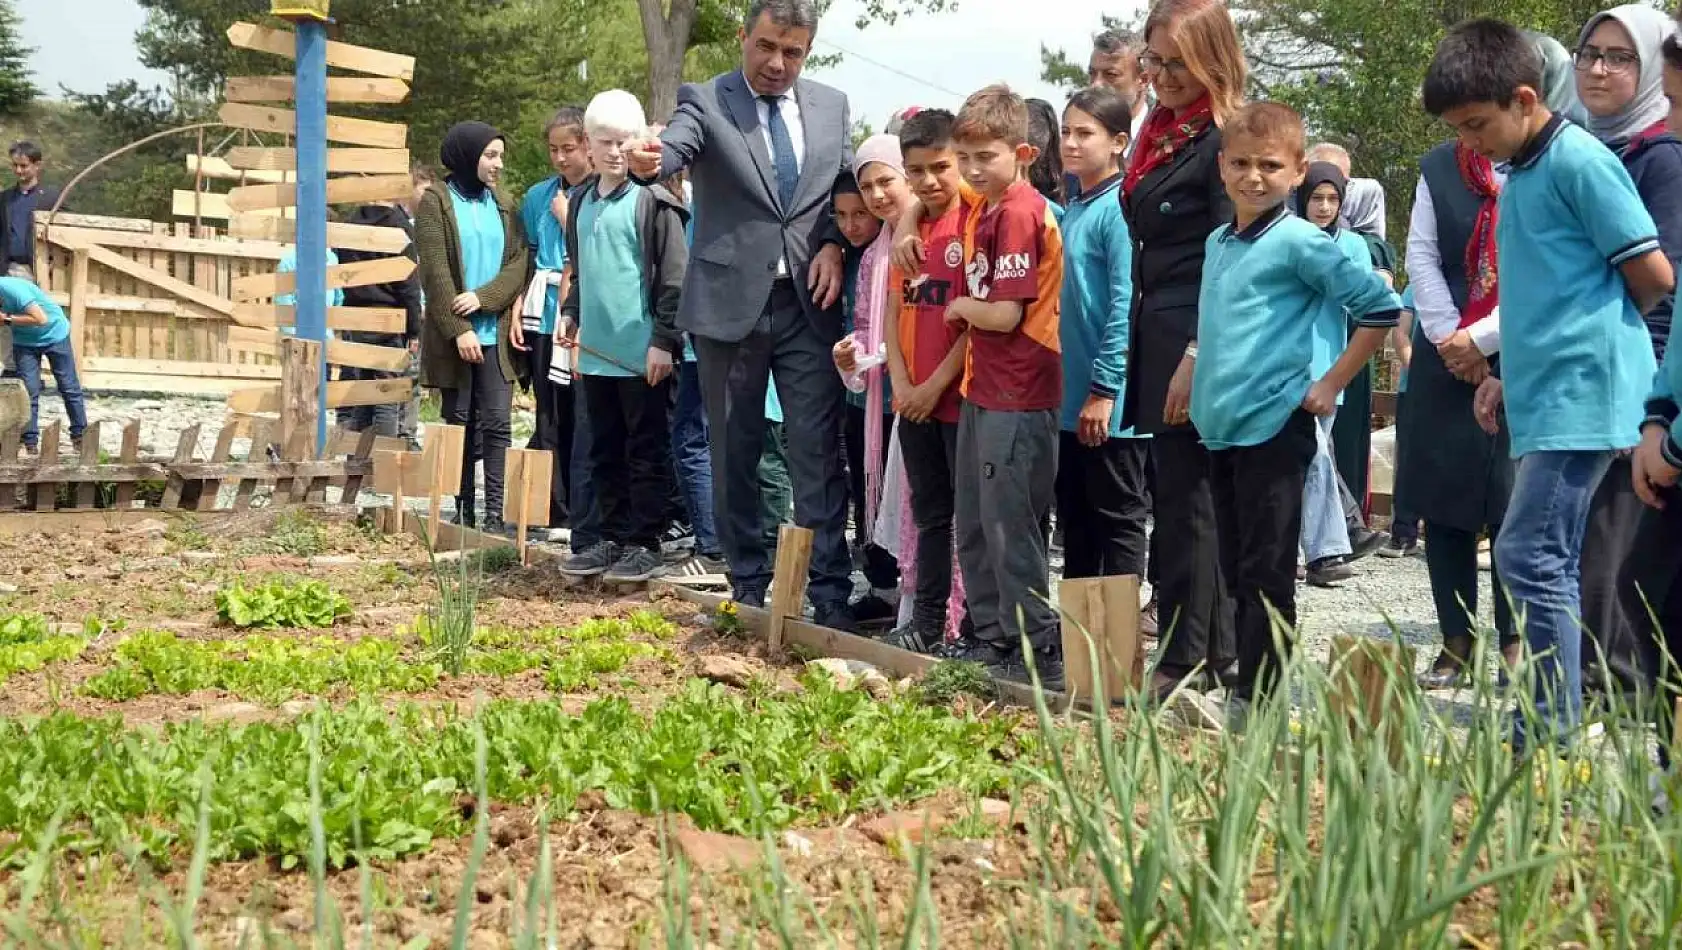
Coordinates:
x,y
18,205
763,148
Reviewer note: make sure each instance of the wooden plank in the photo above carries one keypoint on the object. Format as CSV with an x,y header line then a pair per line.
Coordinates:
x,y
159,279
181,242
44,495
342,441
444,453
339,89
300,389
360,190
360,319
788,582
526,502
98,222
116,303
350,237
195,368
80,473
87,495
213,487
340,161
1107,609
259,118
358,59
363,452
206,204
356,392
174,485
79,301
211,166
124,498
10,445
355,274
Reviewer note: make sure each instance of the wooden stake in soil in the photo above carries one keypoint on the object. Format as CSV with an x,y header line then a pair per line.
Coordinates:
x,y
1107,608
445,445
528,478
300,389
130,453
46,494
788,583
87,493
1371,679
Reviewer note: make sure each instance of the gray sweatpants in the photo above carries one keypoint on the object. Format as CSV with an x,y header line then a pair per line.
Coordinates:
x,y
1006,473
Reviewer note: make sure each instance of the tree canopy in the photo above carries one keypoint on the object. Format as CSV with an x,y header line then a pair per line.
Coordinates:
x,y
17,86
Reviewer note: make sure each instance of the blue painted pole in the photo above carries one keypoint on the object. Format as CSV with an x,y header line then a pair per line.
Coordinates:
x,y
310,91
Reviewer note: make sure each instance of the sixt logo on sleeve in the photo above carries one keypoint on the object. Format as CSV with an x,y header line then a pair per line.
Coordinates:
x,y
1011,267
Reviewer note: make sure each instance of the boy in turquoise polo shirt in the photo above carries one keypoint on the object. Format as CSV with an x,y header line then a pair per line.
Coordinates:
x,y
628,253
1271,281
40,331
1578,264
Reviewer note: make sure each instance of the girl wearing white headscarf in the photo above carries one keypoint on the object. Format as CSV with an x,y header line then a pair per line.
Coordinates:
x,y
1620,80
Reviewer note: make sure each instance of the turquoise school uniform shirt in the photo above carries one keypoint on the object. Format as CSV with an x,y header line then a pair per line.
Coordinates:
x,y
289,265
16,294
479,222
547,240
1331,335
1097,302
613,315
1265,290
1576,357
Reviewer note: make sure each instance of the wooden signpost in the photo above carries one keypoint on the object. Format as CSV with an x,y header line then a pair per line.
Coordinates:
x,y
526,500
297,178
1107,610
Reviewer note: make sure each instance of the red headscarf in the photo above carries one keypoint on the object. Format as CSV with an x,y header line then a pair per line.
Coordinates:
x,y
1482,287
1163,136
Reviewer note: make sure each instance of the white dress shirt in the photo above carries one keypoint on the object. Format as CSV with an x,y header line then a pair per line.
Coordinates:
x,y
789,109
1439,318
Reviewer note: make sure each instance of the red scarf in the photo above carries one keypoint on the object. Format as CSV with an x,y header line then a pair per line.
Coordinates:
x,y
1163,136
1482,287
1646,135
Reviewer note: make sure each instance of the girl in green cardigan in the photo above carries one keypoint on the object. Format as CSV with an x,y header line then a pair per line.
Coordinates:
x,y
473,265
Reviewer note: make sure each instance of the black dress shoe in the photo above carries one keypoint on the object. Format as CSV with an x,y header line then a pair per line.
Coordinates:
x,y
1225,677
1365,543
749,597
836,616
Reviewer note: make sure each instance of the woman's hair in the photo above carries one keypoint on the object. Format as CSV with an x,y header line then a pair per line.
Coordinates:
x,y
1106,105
1046,174
1208,41
569,118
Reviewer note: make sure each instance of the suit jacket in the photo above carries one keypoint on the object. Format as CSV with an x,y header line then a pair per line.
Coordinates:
x,y
1171,213
741,229
47,196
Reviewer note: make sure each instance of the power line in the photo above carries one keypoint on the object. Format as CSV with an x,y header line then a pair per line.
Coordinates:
x,y
892,69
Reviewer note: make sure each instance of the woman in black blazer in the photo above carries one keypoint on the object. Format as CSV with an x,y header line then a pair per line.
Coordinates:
x,y
1173,199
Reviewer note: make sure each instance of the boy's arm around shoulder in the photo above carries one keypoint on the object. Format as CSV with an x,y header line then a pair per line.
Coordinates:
x,y
671,259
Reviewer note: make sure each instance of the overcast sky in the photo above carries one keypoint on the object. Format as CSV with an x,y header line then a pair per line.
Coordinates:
x,y
921,60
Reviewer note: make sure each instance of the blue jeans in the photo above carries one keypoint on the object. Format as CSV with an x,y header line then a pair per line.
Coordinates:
x,y
1325,533
63,361
586,518
1538,554
692,457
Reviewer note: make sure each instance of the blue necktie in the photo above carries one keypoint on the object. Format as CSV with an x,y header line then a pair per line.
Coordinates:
x,y
782,152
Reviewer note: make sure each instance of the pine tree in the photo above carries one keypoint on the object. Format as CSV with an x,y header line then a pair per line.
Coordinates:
x,y
17,90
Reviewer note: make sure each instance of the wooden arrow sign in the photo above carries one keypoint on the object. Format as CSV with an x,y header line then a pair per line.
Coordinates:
x,y
355,319
358,59
349,237
260,118
339,191
361,161
357,274
359,392
339,89
391,359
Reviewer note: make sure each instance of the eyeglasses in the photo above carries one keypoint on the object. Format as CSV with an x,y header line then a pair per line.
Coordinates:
x,y
1615,60
1152,63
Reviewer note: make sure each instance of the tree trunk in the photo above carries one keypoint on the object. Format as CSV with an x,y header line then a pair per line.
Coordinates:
x,y
666,34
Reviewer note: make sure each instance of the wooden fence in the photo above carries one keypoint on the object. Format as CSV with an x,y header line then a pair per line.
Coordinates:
x,y
151,305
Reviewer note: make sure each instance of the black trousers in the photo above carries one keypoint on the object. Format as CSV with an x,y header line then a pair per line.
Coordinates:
x,y
1150,509
1258,503
1615,654
881,569
482,408
1651,582
1102,503
1191,594
789,345
555,422
929,451
630,457
1451,560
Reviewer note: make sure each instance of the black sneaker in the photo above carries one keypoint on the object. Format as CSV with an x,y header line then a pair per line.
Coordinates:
x,y
918,639
970,649
1329,572
502,528
1047,664
1398,548
677,541
836,616
636,565
873,609
1364,543
592,561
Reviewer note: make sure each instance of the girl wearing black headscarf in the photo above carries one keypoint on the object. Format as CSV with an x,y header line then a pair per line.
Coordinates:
x,y
473,265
